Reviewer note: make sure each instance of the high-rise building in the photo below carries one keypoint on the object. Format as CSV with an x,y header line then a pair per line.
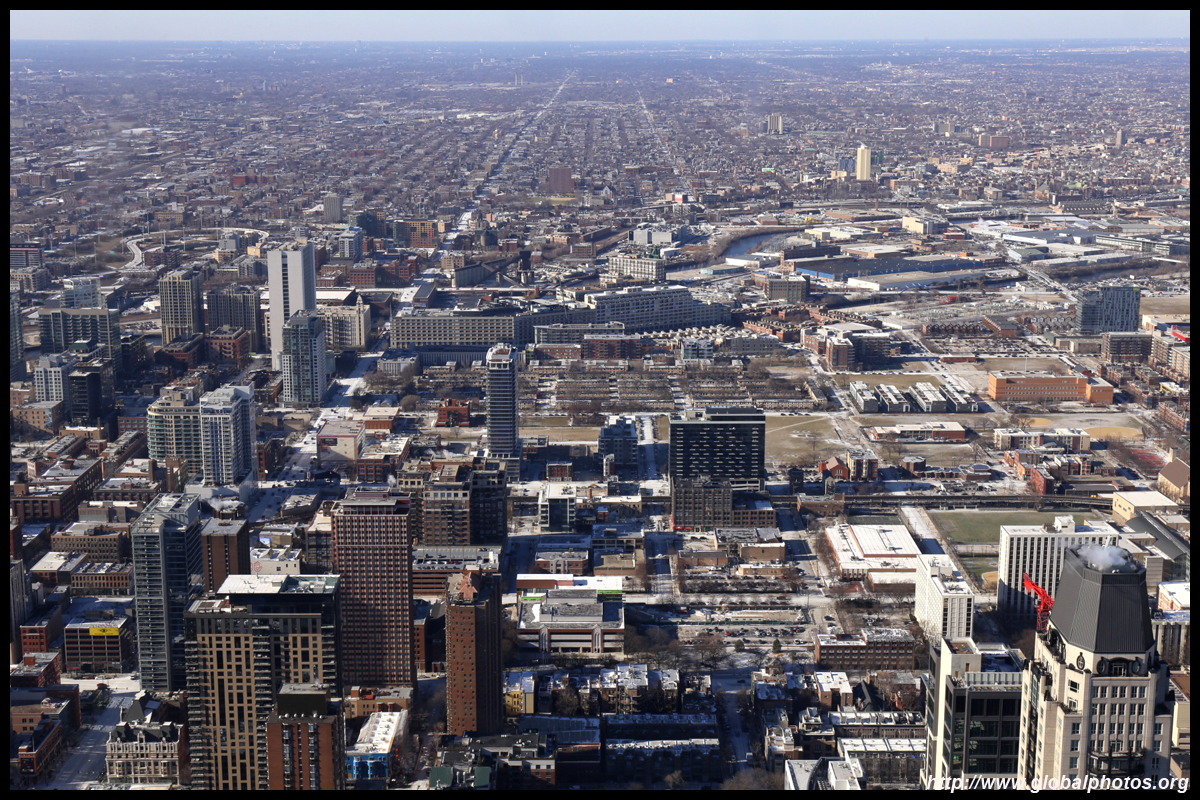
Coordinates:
x,y
291,286
16,338
346,327
972,710
350,244
227,434
333,209
945,604
224,550
61,327
173,427
503,415
775,124
473,664
50,378
1096,701
372,552
81,292
302,359
166,559
1037,551
862,170
92,391
262,632
1121,138
26,258
720,442
237,307
1108,308
559,181
306,740
182,310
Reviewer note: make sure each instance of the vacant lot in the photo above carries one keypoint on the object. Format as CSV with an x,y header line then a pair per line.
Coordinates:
x,y
1032,364
800,439
978,566
564,434
1167,305
983,527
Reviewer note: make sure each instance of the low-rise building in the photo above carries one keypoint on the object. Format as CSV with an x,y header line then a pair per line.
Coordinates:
x,y
870,648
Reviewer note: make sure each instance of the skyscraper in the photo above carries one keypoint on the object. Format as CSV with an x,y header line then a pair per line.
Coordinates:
x,y
1108,308
59,328
92,391
182,308
775,124
173,427
166,560
16,338
473,695
720,442
503,419
291,286
262,632
237,307
863,165
372,552
1121,138
1095,700
333,209
302,359
227,434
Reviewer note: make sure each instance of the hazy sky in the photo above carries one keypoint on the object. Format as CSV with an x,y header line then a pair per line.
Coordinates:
x,y
592,26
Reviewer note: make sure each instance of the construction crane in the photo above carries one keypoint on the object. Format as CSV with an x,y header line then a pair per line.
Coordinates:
x,y
1045,603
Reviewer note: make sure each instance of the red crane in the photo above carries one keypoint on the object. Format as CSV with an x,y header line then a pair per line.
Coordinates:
x,y
1045,603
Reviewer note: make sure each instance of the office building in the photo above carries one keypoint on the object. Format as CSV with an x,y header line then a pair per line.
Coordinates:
x,y
306,740
237,307
720,442
372,552
332,209
51,378
260,633
182,308
1038,551
302,359
775,124
473,663
1108,308
862,168
59,328
166,559
1096,701
227,434
559,181
173,427
503,419
972,710
16,338
81,292
291,287
350,245
945,604
653,270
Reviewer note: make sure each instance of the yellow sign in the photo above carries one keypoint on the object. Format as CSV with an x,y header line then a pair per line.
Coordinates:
x,y
105,631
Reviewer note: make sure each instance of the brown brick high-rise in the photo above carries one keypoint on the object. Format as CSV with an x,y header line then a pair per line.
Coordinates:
x,y
473,696
306,740
372,552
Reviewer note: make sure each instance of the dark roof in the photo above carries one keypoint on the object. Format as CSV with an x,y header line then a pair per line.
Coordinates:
x,y
1102,612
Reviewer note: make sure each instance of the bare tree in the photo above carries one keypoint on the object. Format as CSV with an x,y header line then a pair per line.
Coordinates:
x,y
674,780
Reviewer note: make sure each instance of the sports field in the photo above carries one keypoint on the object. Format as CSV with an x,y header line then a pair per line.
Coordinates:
x,y
983,527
